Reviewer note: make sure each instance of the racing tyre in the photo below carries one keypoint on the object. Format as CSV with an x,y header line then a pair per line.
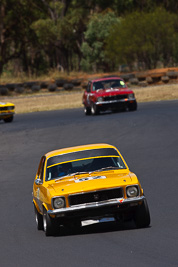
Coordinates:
x,y
52,87
87,111
19,90
94,109
132,106
10,119
4,91
142,215
38,219
50,225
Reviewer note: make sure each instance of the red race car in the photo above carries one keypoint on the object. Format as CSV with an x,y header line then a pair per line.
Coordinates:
x,y
109,93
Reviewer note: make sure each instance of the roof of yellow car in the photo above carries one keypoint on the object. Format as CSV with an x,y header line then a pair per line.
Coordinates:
x,y
6,104
76,148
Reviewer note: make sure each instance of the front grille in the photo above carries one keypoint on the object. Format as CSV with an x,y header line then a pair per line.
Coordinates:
x,y
95,196
3,108
115,97
6,108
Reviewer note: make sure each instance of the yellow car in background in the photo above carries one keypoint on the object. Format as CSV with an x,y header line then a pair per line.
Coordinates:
x,y
86,182
7,111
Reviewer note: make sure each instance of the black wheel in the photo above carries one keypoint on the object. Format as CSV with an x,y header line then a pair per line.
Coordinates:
x,y
132,106
87,111
142,215
10,119
38,219
50,225
94,109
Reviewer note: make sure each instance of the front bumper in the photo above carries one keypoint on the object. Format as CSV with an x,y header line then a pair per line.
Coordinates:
x,y
115,104
5,115
116,101
90,208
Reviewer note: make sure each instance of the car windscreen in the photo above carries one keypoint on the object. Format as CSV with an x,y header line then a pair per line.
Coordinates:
x,y
82,154
105,84
84,166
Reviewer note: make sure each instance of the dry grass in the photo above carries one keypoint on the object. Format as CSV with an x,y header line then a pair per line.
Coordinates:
x,y
56,101
157,93
46,102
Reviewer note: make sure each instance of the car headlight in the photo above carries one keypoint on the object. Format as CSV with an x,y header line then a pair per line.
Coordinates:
x,y
130,96
132,191
58,202
100,99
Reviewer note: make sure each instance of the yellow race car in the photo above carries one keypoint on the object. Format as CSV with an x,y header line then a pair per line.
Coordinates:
x,y
7,111
84,182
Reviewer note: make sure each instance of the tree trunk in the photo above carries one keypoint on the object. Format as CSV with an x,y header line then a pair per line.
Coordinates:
x,y
2,39
1,67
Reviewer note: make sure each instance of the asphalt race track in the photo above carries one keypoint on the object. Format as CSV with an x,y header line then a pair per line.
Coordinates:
x,y
148,140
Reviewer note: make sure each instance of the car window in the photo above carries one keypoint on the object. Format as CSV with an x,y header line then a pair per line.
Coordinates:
x,y
41,168
89,87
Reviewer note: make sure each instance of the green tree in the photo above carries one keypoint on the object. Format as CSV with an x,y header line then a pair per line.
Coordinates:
x,y
95,36
64,33
60,31
9,25
143,37
125,7
17,39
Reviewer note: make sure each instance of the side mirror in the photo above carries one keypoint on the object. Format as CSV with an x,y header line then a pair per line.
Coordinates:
x,y
38,181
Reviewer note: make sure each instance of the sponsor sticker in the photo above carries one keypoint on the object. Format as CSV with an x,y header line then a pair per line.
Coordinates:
x,y
89,178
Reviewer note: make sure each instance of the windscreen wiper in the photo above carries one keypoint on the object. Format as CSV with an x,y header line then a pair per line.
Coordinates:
x,y
105,168
70,174
77,173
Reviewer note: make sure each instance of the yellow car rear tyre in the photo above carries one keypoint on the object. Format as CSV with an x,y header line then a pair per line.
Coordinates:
x,y
39,219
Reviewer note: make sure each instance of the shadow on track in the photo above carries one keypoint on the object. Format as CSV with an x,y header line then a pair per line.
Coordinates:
x,y
96,228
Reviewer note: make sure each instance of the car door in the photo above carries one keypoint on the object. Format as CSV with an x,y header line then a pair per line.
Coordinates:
x,y
88,95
